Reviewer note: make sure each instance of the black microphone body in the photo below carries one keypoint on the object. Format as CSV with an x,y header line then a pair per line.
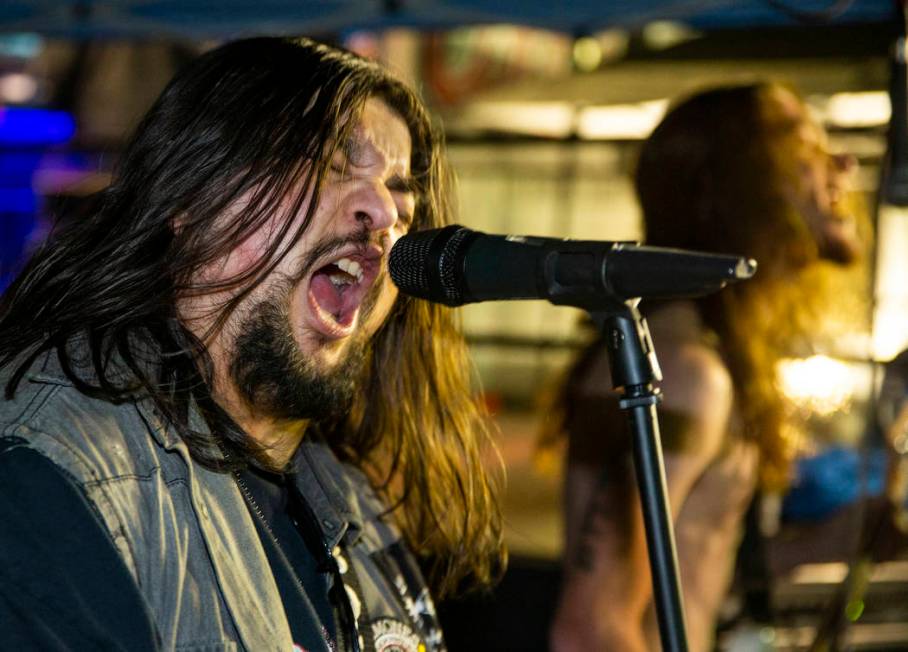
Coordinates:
x,y
455,266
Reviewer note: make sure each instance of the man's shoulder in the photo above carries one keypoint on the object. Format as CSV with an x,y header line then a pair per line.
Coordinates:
x,y
46,395
49,413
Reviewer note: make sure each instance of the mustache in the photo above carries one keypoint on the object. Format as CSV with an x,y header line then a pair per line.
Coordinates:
x,y
327,246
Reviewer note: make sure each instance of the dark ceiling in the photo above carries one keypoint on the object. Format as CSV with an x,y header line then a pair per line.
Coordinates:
x,y
223,18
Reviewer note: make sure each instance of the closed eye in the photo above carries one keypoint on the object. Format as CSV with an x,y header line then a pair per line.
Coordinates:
x,y
339,169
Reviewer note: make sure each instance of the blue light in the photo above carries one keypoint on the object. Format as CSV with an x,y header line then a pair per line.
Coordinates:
x,y
17,200
17,168
24,127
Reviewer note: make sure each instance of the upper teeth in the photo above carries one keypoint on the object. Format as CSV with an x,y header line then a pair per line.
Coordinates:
x,y
352,267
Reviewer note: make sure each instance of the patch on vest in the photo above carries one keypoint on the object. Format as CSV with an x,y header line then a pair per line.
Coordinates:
x,y
395,636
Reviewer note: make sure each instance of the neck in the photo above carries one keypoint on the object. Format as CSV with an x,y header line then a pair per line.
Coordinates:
x,y
279,437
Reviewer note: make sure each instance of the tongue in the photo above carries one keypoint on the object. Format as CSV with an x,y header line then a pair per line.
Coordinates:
x,y
327,295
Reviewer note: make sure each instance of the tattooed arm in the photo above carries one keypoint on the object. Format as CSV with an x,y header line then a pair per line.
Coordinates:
x,y
606,597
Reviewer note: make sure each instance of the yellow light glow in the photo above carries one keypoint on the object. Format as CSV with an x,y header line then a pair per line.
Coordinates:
x,y
587,54
620,121
890,320
663,34
548,119
818,384
857,110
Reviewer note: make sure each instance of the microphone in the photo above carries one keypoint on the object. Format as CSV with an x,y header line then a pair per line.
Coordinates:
x,y
455,265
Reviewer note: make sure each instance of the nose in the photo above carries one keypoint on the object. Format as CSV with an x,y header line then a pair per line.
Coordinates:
x,y
374,207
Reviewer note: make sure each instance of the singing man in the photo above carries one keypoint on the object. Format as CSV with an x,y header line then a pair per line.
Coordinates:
x,y
221,428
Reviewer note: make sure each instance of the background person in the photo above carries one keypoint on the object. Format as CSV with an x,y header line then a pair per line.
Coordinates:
x,y
742,170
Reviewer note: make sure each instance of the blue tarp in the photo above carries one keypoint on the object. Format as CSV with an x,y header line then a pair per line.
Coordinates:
x,y
831,480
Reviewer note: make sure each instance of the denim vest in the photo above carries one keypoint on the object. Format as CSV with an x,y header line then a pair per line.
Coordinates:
x,y
186,534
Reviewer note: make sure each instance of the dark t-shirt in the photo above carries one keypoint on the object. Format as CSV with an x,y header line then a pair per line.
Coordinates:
x,y
64,586
297,555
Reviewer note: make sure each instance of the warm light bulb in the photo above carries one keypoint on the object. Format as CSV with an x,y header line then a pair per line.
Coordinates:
x,y
818,384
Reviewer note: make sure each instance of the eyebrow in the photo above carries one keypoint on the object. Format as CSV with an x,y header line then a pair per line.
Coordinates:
x,y
353,149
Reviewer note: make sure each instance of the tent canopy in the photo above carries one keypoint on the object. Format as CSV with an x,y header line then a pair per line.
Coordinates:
x,y
223,18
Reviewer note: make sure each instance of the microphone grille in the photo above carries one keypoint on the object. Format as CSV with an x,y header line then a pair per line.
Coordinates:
x,y
449,269
407,263
424,264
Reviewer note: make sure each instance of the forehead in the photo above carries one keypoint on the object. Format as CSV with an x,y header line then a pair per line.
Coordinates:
x,y
380,137
797,117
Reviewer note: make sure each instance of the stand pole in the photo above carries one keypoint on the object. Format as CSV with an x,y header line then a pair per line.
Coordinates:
x,y
634,370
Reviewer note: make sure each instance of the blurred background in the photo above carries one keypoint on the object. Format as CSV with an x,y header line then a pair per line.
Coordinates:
x,y
544,106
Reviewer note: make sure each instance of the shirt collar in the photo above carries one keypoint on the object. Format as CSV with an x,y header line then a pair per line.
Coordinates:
x,y
327,487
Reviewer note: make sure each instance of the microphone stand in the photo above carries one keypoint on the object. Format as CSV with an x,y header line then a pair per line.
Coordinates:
x,y
634,368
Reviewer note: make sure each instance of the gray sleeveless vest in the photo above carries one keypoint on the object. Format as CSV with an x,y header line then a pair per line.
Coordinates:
x,y
185,533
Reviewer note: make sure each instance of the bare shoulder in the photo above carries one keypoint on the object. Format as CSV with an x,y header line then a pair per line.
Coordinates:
x,y
697,389
696,379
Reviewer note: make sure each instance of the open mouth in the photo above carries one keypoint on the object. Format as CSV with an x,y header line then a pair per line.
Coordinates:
x,y
337,290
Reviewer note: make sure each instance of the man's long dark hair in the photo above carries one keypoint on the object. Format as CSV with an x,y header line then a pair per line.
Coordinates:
x,y
261,119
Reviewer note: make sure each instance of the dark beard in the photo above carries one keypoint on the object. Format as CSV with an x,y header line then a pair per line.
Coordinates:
x,y
275,379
